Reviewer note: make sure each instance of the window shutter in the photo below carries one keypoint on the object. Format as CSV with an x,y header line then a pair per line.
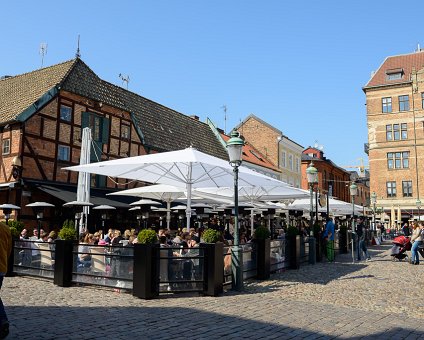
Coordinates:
x,y
105,130
85,120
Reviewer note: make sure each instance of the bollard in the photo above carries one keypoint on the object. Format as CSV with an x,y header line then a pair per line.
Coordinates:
x,y
214,268
294,251
63,263
145,277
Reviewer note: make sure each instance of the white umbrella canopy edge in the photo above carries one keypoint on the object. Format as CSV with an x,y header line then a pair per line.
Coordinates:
x,y
189,167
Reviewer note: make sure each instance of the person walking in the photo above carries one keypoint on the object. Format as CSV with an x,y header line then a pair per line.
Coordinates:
x,y
5,250
329,239
417,241
360,232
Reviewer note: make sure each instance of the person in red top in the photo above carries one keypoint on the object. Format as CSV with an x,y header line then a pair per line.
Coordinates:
x,y
5,250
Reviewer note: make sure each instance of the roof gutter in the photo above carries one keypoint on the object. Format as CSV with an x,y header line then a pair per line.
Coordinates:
x,y
37,105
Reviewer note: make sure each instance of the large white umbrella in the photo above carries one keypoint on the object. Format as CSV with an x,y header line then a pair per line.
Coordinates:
x,y
188,168
83,186
253,194
163,192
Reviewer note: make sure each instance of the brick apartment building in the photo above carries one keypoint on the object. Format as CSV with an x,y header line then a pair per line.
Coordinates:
x,y
283,152
331,179
395,120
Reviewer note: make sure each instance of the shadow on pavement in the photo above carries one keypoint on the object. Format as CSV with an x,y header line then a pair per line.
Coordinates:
x,y
102,322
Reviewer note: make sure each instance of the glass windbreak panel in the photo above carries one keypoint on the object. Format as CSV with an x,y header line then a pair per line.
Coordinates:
x,y
34,258
181,268
277,255
110,266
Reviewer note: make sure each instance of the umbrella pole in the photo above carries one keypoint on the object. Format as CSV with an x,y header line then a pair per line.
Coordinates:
x,y
251,222
168,215
188,209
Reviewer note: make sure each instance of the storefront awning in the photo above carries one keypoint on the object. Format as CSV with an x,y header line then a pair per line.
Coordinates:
x,y
98,197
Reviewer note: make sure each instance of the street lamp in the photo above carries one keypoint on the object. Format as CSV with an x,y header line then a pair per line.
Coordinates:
x,y
418,203
353,192
374,202
235,151
312,175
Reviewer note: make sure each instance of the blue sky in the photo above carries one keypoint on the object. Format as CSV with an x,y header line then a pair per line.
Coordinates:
x,y
298,65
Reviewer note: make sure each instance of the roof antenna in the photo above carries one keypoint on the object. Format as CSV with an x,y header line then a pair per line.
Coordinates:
x,y
224,107
78,54
124,79
43,52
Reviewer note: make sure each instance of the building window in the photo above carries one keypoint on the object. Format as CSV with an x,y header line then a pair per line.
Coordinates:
x,y
5,149
125,131
63,153
403,103
394,76
398,160
283,159
297,165
387,104
397,131
291,163
407,188
65,113
422,100
391,189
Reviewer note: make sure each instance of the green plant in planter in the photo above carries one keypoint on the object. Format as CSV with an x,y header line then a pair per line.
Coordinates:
x,y
15,232
68,233
292,231
211,236
18,225
68,224
147,236
262,233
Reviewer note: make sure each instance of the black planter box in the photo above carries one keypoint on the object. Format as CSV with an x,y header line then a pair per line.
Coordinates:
x,y
293,251
263,265
63,263
145,277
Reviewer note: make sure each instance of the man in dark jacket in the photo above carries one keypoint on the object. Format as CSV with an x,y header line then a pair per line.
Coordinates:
x,y
360,233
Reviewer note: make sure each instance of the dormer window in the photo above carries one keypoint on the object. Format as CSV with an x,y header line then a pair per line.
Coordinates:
x,y
394,74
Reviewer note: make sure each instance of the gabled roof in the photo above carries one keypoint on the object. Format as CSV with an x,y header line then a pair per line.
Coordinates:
x,y
19,93
402,63
161,128
239,126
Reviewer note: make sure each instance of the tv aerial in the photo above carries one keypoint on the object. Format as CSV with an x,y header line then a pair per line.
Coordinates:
x,y
43,52
125,79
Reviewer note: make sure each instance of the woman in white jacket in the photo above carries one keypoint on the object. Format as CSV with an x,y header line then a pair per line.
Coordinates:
x,y
417,241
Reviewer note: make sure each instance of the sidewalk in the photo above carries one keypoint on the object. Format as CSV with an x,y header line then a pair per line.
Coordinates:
x,y
379,299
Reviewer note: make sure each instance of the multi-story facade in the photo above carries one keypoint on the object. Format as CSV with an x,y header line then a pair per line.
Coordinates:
x,y
332,180
278,148
395,118
42,114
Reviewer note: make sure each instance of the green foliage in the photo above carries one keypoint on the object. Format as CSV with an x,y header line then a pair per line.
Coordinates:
x,y
15,232
262,233
68,233
211,236
69,224
18,225
147,236
292,231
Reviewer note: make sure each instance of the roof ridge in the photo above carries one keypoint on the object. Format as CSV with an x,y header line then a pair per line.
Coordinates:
x,y
39,70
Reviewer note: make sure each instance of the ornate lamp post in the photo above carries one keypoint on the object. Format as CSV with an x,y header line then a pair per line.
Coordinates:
x,y
374,203
312,176
418,203
353,192
235,150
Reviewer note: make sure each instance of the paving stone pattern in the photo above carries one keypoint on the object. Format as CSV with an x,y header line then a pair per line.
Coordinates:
x,y
379,299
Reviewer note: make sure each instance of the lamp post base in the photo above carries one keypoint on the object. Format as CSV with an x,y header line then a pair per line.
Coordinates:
x,y
237,268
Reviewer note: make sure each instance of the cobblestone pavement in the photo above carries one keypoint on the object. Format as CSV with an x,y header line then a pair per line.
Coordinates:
x,y
379,299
